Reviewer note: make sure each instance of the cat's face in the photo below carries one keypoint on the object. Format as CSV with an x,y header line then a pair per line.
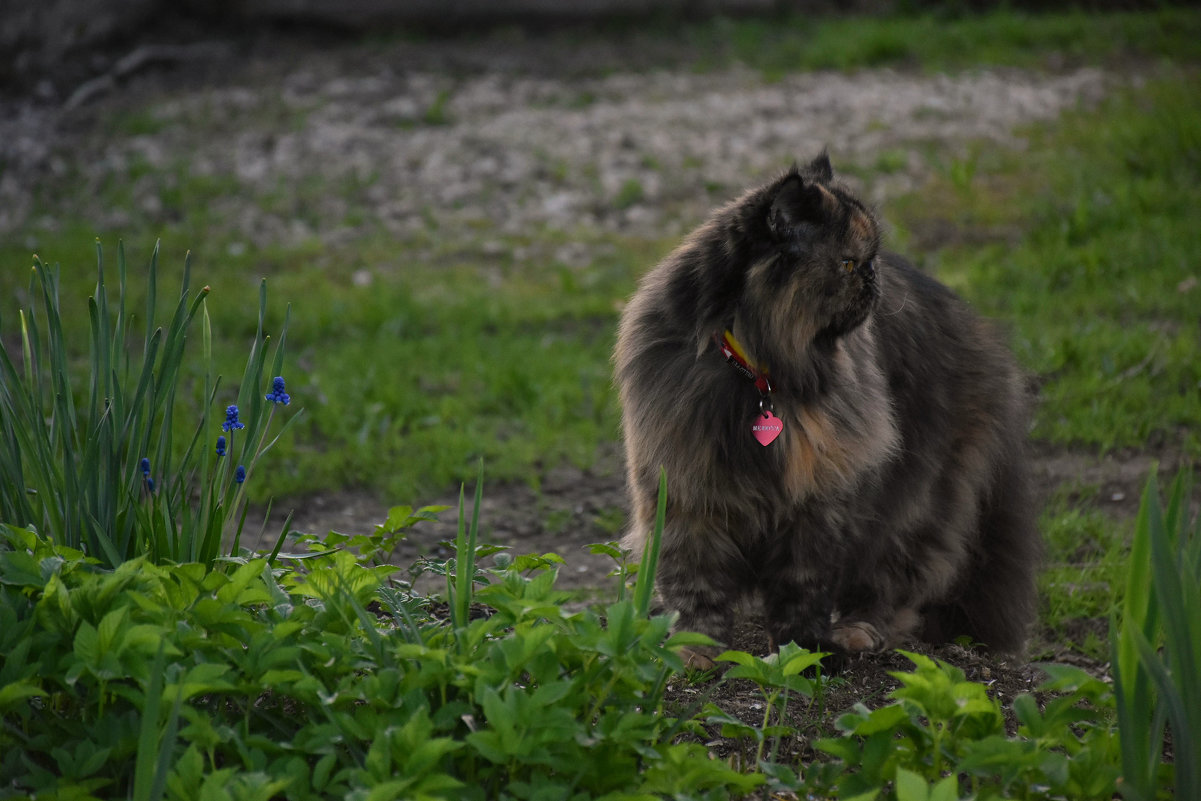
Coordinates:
x,y
818,275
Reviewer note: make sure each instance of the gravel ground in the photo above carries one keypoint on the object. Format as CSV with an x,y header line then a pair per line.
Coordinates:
x,y
523,146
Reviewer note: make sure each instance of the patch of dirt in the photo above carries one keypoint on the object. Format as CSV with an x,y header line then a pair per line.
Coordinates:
x,y
1113,482
571,510
865,679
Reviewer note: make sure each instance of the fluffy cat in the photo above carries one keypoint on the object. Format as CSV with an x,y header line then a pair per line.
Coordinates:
x,y
843,437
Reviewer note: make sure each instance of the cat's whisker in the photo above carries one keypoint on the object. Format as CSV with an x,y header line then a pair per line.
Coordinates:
x,y
900,308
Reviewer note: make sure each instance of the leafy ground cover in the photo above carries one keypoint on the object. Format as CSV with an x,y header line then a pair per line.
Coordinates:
x,y
323,675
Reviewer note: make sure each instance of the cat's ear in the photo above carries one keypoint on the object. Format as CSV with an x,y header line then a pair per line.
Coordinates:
x,y
795,206
821,169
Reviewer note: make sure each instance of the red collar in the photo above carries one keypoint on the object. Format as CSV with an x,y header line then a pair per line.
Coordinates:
x,y
738,359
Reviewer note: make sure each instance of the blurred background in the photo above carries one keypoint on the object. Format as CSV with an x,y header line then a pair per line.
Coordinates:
x,y
456,198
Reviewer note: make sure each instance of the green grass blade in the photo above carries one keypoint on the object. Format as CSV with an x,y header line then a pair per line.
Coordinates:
x,y
1133,689
208,453
151,297
452,584
30,330
465,544
283,535
644,584
250,393
277,365
1184,734
1179,599
99,393
15,414
143,773
269,444
121,328
155,752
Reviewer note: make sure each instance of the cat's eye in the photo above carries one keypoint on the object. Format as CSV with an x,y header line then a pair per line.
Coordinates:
x,y
848,264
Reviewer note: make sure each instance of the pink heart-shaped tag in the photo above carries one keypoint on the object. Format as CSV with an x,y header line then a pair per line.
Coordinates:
x,y
767,427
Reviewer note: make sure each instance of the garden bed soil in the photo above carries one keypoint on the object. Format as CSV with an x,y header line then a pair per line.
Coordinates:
x,y
572,509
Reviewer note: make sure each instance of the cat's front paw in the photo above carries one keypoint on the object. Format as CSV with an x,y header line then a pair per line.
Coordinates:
x,y
697,657
854,634
857,637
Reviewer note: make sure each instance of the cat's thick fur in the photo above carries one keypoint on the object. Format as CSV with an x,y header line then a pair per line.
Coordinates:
x,y
895,501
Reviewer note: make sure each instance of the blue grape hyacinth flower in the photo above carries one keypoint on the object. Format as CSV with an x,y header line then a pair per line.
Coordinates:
x,y
145,466
220,446
240,474
277,393
231,419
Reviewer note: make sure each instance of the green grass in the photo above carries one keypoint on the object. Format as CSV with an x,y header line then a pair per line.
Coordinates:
x,y
408,381
1083,574
933,42
1099,284
454,353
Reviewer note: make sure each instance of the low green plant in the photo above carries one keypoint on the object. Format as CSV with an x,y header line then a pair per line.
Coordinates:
x,y
1156,648
639,575
776,675
945,736
374,548
310,678
90,454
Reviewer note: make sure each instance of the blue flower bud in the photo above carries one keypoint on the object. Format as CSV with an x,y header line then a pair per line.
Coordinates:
x,y
220,446
231,419
277,394
240,474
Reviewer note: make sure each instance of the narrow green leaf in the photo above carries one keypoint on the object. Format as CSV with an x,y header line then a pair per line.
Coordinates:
x,y
644,584
1132,683
148,737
